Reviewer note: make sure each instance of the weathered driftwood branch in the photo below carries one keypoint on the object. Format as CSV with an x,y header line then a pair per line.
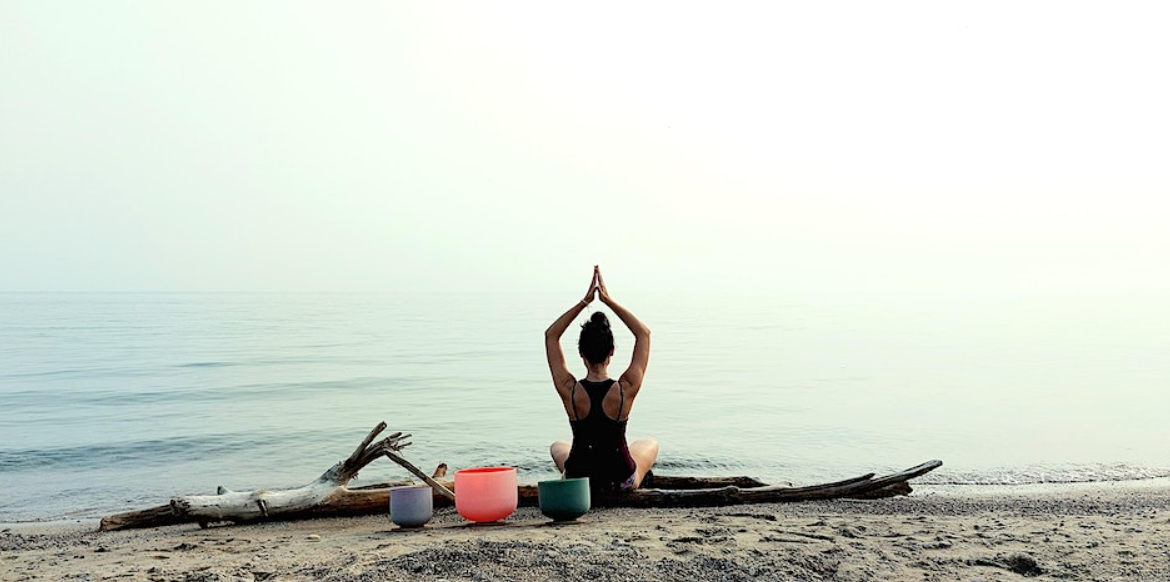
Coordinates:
x,y
327,491
865,486
438,487
653,481
329,496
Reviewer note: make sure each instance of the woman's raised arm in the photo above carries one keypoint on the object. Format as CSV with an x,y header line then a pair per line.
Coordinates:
x,y
562,378
632,378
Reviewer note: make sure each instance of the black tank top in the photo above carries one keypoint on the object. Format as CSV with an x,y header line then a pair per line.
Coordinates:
x,y
599,442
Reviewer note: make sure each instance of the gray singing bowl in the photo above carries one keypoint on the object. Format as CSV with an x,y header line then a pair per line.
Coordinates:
x,y
411,506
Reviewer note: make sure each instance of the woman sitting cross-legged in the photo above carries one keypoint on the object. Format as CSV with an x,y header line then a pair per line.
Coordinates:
x,y
597,405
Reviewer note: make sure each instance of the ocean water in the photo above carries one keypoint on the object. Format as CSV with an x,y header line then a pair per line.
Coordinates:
x,y
112,402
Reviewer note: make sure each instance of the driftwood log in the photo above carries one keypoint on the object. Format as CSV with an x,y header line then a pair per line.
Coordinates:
x,y
329,496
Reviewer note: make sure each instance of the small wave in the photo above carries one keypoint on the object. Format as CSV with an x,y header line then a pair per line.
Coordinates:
x,y
120,454
189,396
82,373
683,462
1111,473
208,365
178,449
541,466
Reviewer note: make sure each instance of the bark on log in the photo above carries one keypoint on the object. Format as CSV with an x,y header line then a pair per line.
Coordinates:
x,y
328,496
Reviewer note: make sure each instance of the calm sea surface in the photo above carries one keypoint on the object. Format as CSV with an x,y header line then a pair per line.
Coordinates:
x,y
111,402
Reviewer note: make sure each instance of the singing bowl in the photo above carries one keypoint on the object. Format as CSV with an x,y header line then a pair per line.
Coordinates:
x,y
564,499
486,494
411,506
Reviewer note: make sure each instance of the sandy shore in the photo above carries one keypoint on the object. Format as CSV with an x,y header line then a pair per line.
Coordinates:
x,y
1097,533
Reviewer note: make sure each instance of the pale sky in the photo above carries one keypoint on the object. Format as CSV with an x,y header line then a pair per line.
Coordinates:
x,y
376,146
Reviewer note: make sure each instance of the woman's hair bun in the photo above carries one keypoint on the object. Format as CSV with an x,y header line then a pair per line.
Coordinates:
x,y
599,318
596,341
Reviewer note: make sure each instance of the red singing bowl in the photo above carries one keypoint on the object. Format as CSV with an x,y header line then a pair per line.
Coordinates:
x,y
486,494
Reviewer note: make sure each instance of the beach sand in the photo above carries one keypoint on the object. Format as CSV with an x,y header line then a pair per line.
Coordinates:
x,y
1104,532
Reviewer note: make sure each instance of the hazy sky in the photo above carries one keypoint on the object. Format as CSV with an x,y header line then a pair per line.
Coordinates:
x,y
309,146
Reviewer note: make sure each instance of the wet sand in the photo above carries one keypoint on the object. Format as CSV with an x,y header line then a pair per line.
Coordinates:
x,y
1102,532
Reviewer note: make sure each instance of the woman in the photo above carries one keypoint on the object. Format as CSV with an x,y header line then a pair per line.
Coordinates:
x,y
598,406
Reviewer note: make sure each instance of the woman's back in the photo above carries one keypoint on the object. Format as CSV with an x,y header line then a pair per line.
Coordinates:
x,y
599,449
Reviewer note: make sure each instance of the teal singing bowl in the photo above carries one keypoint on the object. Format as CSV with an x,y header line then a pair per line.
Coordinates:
x,y
564,499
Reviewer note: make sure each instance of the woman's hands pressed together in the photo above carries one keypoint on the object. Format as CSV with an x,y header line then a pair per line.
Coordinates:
x,y
589,295
599,285
597,288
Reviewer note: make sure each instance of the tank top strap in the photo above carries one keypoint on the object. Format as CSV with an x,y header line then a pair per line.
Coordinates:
x,y
622,402
573,400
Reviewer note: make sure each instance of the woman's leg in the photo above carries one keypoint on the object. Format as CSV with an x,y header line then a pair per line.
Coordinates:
x,y
644,452
560,452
